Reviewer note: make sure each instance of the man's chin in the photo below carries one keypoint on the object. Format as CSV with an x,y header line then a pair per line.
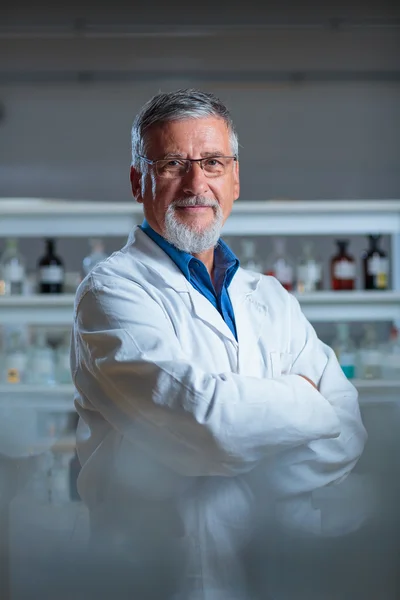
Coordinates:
x,y
197,222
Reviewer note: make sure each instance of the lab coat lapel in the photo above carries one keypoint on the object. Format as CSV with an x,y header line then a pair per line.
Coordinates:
x,y
164,268
205,311
251,316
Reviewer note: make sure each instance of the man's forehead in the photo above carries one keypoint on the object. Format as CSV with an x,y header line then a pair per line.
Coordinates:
x,y
176,135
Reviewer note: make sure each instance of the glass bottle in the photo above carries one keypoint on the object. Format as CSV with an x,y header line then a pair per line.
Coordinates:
x,y
97,254
309,270
345,349
370,355
343,268
41,361
63,369
280,264
391,356
12,269
15,358
51,271
375,265
248,256
59,484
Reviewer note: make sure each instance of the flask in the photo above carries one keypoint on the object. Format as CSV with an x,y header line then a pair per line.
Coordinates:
x,y
51,270
12,269
343,268
280,264
309,270
345,350
375,265
97,254
248,256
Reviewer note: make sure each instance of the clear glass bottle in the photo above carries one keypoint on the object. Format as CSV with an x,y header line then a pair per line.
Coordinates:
x,y
345,349
309,270
248,256
343,268
375,265
280,265
50,270
97,254
391,356
369,354
16,358
12,269
41,361
63,369
59,484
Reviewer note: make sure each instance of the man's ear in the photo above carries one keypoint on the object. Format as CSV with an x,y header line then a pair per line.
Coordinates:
x,y
236,184
136,184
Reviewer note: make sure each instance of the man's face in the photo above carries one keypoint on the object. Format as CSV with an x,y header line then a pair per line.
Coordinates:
x,y
213,196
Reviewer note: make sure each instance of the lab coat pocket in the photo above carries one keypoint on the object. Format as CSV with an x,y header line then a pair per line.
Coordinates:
x,y
281,363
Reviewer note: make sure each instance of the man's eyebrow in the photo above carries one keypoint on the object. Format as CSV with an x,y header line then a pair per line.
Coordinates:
x,y
213,153
174,154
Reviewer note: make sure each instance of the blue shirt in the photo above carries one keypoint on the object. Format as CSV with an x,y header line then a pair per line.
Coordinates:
x,y
225,266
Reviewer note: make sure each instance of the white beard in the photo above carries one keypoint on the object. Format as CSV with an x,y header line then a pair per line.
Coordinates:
x,y
189,239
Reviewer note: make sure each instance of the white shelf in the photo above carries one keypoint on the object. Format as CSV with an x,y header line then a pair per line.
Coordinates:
x,y
327,217
377,391
319,306
52,398
35,217
45,309
354,306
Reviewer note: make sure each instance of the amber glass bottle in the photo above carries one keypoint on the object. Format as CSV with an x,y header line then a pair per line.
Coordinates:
x,y
343,268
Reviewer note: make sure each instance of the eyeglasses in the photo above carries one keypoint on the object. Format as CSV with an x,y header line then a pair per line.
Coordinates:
x,y
173,168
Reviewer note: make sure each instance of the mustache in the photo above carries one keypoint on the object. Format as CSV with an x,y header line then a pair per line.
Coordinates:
x,y
194,201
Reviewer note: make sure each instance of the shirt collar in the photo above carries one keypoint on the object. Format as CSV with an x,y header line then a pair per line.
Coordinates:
x,y
224,258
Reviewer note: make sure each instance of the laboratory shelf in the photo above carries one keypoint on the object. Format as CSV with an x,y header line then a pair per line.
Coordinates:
x,y
321,306
377,391
45,309
313,217
35,217
52,398
360,306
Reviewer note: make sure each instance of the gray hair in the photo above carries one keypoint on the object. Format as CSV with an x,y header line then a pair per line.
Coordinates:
x,y
174,106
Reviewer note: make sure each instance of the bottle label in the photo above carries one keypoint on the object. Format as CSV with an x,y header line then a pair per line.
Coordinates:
x,y
51,274
284,273
378,265
42,365
15,366
371,357
345,270
309,273
14,273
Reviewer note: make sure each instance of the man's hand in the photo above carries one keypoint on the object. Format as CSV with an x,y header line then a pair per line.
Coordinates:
x,y
309,381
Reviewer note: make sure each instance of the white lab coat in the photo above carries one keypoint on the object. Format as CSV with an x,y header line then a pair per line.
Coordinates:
x,y
175,411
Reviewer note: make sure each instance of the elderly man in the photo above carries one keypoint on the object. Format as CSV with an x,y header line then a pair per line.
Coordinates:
x,y
203,391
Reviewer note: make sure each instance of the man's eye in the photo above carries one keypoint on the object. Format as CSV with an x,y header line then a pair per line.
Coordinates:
x,y
213,162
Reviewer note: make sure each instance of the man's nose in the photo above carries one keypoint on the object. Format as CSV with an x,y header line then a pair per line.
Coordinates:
x,y
195,181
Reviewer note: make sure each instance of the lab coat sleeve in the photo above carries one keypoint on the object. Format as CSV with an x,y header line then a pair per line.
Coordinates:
x,y
128,364
325,461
